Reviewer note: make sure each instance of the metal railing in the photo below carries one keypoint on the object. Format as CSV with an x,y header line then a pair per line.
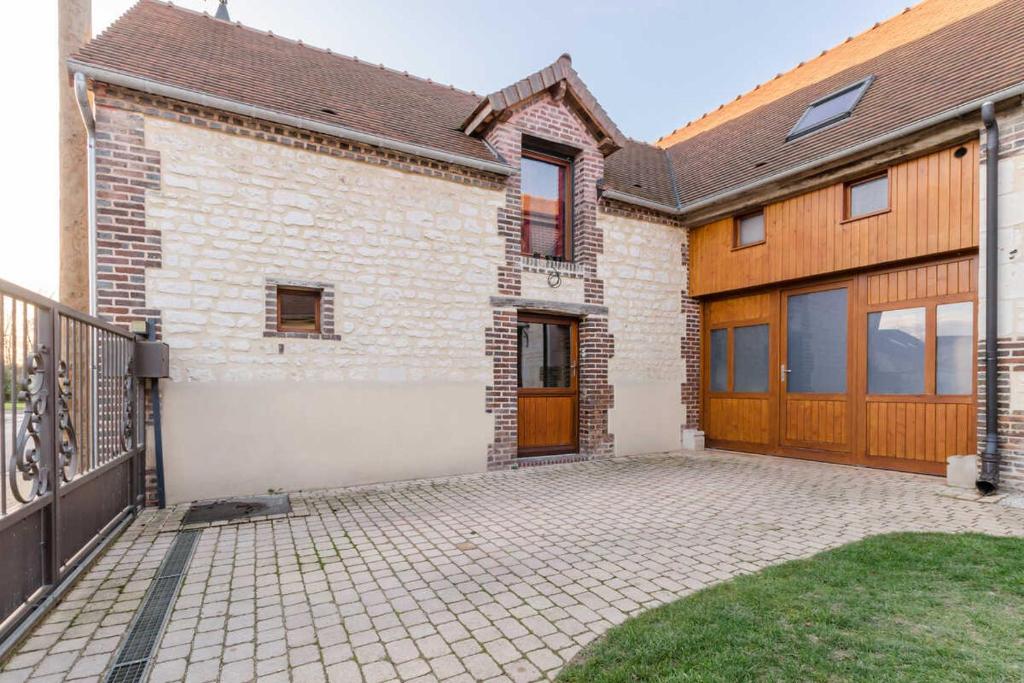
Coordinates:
x,y
71,444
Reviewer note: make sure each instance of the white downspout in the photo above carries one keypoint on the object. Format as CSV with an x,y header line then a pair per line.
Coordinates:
x,y
82,95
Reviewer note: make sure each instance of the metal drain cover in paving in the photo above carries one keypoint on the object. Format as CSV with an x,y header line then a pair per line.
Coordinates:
x,y
237,508
146,627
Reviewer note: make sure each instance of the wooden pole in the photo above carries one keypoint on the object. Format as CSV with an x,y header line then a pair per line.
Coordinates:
x,y
74,27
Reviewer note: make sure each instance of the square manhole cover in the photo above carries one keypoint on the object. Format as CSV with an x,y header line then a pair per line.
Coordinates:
x,y
237,508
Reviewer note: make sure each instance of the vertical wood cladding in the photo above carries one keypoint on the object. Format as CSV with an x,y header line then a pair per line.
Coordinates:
x,y
912,432
933,210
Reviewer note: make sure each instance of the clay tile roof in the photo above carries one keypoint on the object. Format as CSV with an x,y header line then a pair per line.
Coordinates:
x,y
932,58
641,170
957,64
187,49
913,23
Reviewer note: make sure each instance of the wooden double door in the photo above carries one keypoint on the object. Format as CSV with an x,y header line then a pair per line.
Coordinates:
x,y
877,369
548,384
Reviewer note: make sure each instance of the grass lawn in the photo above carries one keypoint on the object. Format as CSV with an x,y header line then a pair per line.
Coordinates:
x,y
911,607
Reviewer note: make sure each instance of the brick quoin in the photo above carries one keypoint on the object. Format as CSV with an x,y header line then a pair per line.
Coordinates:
x,y
1010,359
125,247
502,394
689,350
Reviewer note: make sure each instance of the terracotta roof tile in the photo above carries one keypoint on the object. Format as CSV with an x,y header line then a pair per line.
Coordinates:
x,y
641,170
957,64
913,23
190,50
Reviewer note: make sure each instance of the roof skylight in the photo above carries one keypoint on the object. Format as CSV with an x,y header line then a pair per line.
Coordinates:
x,y
831,108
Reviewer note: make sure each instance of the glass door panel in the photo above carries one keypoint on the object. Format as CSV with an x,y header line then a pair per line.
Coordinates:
x,y
815,407
816,344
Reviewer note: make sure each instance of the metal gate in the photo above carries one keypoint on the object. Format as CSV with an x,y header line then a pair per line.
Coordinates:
x,y
71,445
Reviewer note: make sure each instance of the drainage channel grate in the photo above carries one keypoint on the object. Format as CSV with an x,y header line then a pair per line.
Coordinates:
x,y
148,623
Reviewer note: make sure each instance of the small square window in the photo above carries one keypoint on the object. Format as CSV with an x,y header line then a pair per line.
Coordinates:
x,y
867,197
298,309
750,229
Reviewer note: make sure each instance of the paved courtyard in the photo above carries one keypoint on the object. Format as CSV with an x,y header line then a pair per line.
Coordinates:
x,y
491,577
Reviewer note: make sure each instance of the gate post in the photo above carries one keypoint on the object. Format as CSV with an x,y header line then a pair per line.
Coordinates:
x,y
47,346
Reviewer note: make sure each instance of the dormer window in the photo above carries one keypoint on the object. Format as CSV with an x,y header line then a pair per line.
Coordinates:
x,y
830,109
546,214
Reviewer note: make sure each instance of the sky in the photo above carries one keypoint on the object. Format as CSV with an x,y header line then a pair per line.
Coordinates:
x,y
653,65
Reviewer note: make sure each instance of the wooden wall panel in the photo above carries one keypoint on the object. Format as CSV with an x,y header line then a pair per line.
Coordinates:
x,y
745,420
921,282
739,309
916,430
933,210
817,421
546,421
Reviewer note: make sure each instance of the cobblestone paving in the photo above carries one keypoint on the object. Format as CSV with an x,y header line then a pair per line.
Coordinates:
x,y
493,577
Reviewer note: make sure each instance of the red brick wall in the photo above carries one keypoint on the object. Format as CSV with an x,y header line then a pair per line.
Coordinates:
x,y
125,247
1010,360
551,119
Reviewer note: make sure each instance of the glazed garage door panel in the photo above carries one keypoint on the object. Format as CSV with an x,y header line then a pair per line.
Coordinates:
x,y
875,369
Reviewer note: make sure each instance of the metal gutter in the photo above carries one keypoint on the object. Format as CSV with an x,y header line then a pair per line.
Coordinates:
x,y
85,108
988,478
235,107
910,129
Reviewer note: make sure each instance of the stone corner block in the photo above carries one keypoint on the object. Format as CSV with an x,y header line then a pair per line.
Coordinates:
x,y
961,471
693,439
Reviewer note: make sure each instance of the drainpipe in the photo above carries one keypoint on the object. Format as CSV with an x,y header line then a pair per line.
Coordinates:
x,y
82,95
988,480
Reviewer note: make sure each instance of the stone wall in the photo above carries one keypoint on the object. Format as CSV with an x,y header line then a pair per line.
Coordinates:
x,y
1011,301
412,260
643,279
202,214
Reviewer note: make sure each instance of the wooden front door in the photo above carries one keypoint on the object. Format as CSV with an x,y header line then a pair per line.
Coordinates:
x,y
548,398
816,377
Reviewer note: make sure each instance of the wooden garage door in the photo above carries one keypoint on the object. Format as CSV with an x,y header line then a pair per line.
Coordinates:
x,y
876,369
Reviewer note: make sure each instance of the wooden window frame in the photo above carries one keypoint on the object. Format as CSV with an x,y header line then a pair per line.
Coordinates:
x,y
565,201
729,327
736,229
930,306
302,291
848,216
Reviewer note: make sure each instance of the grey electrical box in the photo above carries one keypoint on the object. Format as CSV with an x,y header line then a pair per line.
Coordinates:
x,y
152,359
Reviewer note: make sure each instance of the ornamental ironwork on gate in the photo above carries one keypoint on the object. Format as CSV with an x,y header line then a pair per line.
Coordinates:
x,y
72,445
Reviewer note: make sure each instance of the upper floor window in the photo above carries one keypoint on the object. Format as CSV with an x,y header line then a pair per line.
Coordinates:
x,y
867,197
830,109
749,229
298,309
546,215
